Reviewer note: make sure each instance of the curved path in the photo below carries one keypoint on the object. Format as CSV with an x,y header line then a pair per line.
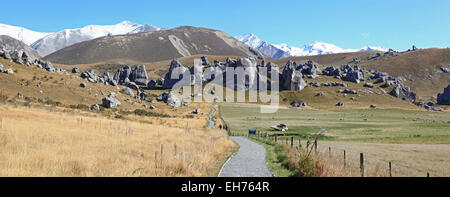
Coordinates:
x,y
249,161
211,122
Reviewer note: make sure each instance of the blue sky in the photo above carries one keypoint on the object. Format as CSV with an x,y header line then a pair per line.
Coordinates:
x,y
394,24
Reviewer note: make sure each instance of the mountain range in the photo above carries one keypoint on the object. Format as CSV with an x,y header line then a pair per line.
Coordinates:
x,y
277,51
47,43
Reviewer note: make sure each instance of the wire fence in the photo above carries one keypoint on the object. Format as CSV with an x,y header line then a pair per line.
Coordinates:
x,y
350,162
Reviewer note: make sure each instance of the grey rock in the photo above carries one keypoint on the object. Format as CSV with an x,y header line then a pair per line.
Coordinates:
x,y
9,71
369,85
83,85
444,98
170,99
205,60
128,91
122,75
95,107
152,85
373,106
176,70
110,101
340,103
1,67
292,79
19,95
445,70
404,93
131,85
139,75
75,70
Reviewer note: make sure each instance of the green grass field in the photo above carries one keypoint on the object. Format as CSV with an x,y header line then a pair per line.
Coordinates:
x,y
416,142
363,125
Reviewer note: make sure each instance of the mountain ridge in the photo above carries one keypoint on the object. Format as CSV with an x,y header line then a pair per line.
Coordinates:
x,y
277,51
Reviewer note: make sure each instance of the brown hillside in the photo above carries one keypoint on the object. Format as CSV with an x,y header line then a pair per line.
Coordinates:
x,y
153,46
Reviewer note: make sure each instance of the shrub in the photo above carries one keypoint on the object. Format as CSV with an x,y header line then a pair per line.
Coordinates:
x,y
141,112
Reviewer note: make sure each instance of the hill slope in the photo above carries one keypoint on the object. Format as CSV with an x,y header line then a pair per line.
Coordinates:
x,y
421,68
153,46
11,44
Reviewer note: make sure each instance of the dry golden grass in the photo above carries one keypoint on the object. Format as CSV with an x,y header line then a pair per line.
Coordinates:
x,y
407,160
39,142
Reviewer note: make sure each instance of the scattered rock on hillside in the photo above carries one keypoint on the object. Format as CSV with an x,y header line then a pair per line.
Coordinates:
x,y
403,92
1,67
95,107
152,85
131,85
75,70
445,70
368,85
170,99
340,103
128,91
9,71
110,101
83,85
373,106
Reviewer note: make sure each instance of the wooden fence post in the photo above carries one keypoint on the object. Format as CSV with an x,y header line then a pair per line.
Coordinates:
x,y
315,145
307,145
161,157
361,161
276,138
175,149
390,169
286,141
329,152
428,174
299,144
344,159
292,141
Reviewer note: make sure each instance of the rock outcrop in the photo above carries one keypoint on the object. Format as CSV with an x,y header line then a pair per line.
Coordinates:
x,y
444,98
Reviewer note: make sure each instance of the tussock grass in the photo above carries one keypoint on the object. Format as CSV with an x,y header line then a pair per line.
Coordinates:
x,y
39,142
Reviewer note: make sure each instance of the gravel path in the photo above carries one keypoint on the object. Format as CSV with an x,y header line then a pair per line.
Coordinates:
x,y
249,161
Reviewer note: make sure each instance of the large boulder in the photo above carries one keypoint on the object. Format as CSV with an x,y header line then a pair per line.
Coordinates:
x,y
444,98
139,75
110,101
354,75
122,75
174,75
332,71
310,69
170,99
90,76
292,79
403,92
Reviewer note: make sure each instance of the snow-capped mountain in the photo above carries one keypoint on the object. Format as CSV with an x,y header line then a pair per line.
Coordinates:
x,y
25,35
283,50
67,37
145,28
